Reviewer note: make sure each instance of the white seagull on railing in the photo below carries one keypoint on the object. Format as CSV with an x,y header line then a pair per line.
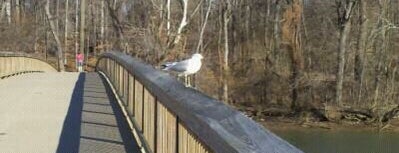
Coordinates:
x,y
185,67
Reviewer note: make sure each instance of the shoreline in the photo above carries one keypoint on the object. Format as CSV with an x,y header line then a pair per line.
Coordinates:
x,y
281,124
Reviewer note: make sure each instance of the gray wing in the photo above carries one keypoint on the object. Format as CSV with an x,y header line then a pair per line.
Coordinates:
x,y
180,66
167,65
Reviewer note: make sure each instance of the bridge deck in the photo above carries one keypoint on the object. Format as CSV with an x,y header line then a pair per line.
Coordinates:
x,y
61,112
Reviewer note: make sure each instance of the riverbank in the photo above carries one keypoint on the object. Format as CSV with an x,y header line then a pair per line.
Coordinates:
x,y
282,123
280,118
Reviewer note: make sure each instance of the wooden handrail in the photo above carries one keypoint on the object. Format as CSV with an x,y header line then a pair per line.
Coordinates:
x,y
173,118
12,63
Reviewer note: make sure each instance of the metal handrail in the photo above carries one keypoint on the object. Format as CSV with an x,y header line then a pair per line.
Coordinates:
x,y
217,126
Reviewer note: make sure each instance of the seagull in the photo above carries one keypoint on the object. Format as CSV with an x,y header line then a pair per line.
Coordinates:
x,y
186,67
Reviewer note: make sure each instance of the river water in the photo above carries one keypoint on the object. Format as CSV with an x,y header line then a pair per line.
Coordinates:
x,y
342,141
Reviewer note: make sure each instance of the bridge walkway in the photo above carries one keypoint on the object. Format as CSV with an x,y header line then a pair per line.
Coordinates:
x,y
61,112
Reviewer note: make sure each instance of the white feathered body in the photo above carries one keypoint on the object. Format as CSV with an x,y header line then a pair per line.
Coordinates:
x,y
186,67
194,66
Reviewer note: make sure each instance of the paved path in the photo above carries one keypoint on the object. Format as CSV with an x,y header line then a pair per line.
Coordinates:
x,y
61,112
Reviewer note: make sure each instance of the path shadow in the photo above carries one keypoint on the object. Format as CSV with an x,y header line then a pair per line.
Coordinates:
x,y
70,135
95,122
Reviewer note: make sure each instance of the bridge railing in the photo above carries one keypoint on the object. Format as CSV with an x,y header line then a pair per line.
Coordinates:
x,y
16,63
170,118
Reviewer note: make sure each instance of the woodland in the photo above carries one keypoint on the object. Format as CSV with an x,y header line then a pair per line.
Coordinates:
x,y
314,60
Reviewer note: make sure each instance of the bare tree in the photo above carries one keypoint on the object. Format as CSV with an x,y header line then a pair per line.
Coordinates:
x,y
183,23
185,20
361,48
201,37
276,32
82,25
226,20
291,35
93,34
381,49
76,31
66,31
168,17
344,10
7,4
17,11
3,10
102,30
117,25
50,20
57,15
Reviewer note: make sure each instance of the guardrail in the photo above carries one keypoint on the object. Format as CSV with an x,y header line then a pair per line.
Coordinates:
x,y
169,117
18,63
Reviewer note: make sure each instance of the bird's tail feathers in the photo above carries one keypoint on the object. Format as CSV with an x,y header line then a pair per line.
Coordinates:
x,y
167,66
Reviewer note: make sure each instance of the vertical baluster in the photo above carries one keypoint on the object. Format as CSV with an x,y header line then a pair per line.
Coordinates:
x,y
126,86
149,118
1,66
166,130
132,91
138,101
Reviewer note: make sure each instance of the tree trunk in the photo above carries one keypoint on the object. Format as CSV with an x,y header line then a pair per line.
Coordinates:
x,y
102,31
87,50
381,50
106,31
76,31
3,10
200,41
82,26
57,15
36,43
226,20
8,10
46,44
168,17
17,11
291,33
183,24
66,31
276,32
117,27
219,47
93,24
55,34
344,26
360,48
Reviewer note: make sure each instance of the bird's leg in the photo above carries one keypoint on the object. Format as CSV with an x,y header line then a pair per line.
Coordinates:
x,y
189,81
186,81
193,81
178,77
